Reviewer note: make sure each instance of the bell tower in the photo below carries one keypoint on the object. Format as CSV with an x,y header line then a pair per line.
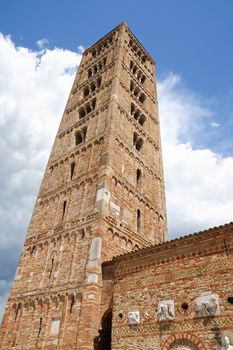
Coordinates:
x,y
102,195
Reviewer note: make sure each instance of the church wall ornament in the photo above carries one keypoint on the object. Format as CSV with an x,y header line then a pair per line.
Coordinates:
x,y
133,318
166,310
207,304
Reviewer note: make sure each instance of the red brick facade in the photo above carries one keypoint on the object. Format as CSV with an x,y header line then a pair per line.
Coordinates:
x,y
182,271
102,196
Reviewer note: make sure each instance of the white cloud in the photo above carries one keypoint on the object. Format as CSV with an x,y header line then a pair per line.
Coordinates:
x,y
42,43
81,48
34,87
215,125
198,181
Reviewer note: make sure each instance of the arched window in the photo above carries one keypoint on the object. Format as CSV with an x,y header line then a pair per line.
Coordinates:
x,y
80,136
139,144
86,91
142,98
143,78
141,119
82,113
131,86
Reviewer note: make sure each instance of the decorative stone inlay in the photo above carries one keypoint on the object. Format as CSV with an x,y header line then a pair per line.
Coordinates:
x,y
133,318
189,325
207,304
166,310
148,313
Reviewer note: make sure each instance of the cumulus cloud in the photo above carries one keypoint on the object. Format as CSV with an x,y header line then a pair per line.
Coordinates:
x,y
198,181
34,87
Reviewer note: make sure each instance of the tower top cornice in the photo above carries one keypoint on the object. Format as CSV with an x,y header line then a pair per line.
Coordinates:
x,y
121,25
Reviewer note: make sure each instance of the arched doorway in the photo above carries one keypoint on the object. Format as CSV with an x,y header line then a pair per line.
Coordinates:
x,y
106,331
183,342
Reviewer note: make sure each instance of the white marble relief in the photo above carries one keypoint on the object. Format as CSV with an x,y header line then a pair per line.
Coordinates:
x,y
207,304
133,317
166,310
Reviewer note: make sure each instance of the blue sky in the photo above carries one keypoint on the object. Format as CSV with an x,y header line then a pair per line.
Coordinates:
x,y
191,41
191,38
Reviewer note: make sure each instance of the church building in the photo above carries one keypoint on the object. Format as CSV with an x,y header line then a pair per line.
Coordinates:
x,y
96,270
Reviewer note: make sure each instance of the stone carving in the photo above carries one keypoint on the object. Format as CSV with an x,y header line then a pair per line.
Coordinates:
x,y
166,310
227,345
207,304
133,317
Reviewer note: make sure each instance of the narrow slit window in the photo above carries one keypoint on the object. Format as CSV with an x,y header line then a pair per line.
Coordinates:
x,y
138,221
72,167
17,311
72,304
138,177
64,209
51,269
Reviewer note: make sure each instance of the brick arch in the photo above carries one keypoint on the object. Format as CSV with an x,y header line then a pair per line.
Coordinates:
x,y
185,340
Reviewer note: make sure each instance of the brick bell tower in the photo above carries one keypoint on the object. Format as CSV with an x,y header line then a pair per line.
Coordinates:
x,y
102,195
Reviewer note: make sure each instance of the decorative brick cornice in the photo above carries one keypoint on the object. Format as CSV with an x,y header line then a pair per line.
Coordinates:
x,y
212,241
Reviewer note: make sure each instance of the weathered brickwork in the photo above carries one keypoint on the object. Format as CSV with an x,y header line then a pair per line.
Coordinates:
x,y
95,271
180,271
102,195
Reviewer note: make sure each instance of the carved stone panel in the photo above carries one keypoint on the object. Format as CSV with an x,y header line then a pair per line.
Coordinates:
x,y
207,304
166,310
133,317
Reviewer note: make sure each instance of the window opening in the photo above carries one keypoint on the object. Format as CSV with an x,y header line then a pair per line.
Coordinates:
x,y
138,220
141,120
64,209
72,304
142,98
80,136
139,177
86,91
17,311
72,167
137,142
